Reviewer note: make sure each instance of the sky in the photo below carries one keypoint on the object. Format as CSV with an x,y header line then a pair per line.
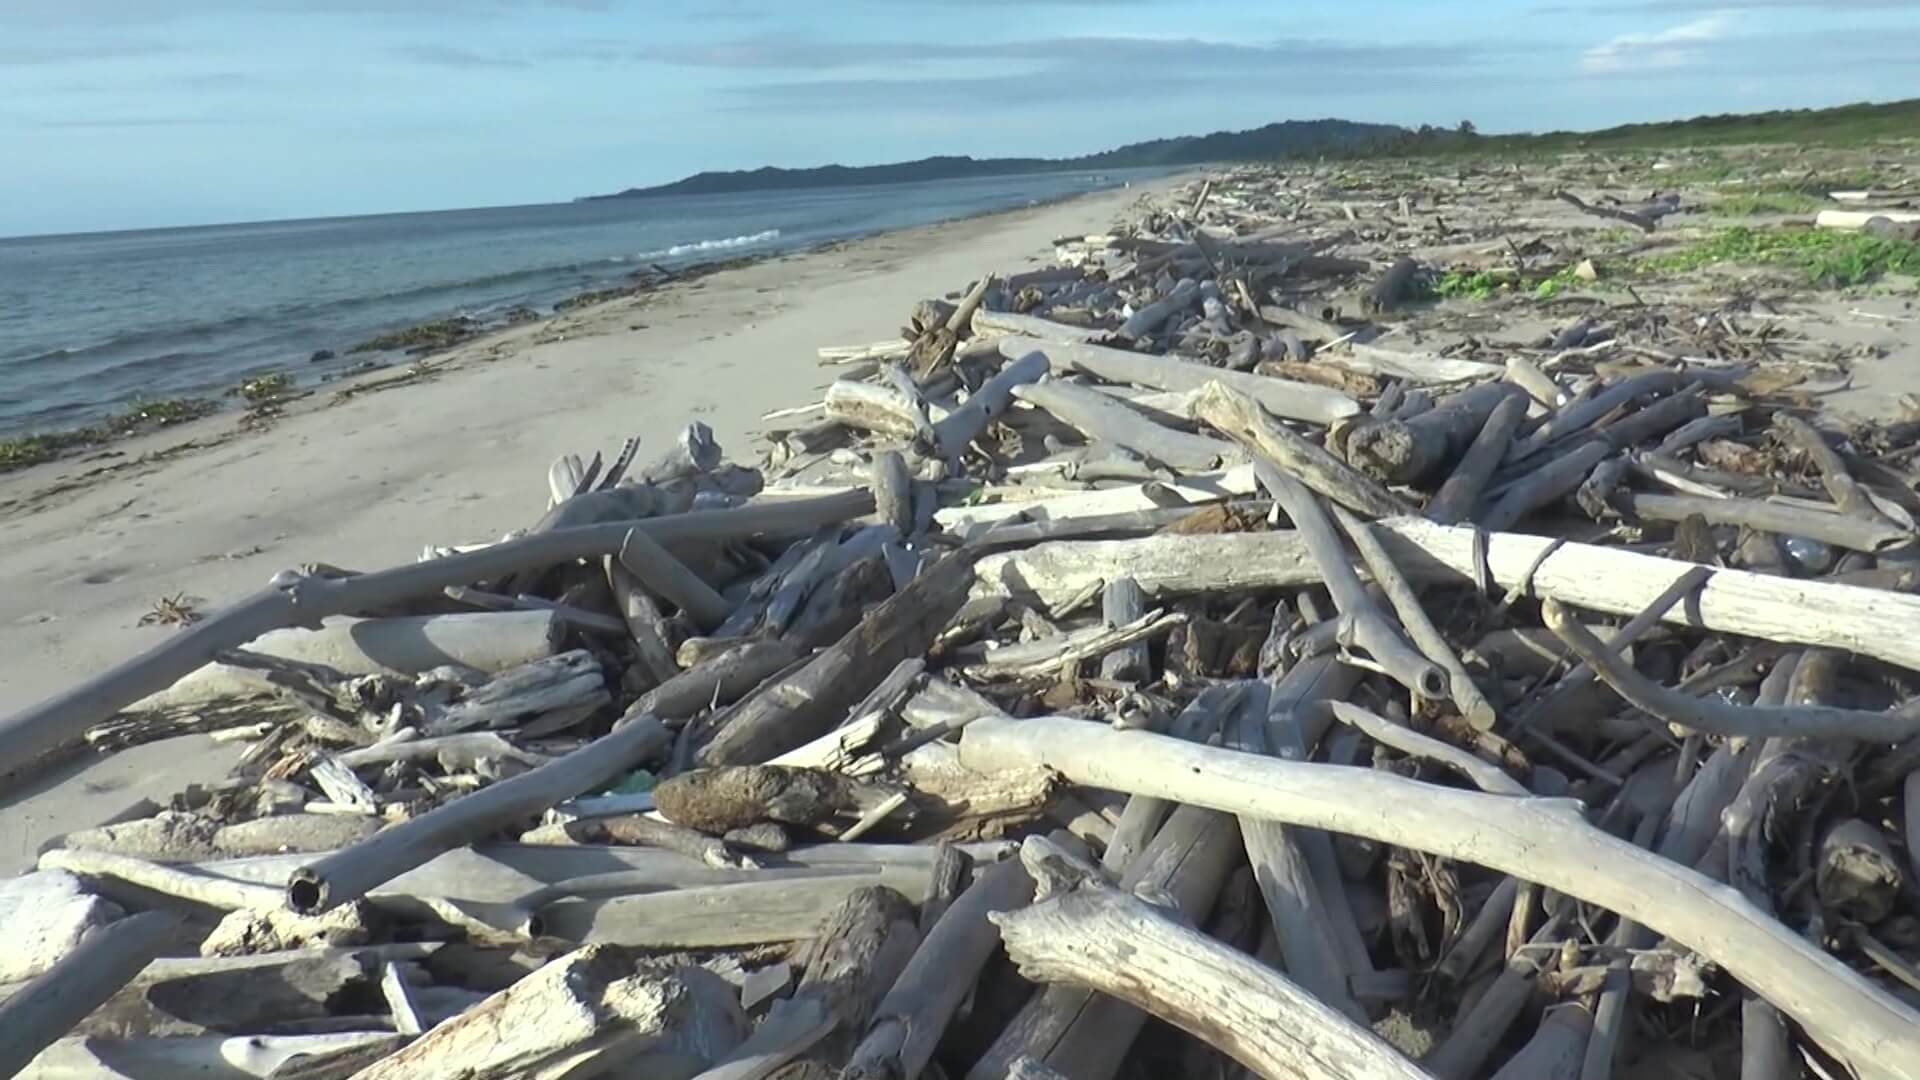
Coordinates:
x,y
139,113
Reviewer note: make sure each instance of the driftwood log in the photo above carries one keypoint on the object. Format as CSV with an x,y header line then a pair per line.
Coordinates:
x,y
1541,841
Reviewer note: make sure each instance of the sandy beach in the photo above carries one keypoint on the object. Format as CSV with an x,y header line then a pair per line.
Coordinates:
x,y
90,543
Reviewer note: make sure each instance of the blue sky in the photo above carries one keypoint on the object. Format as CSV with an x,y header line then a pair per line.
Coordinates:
x,y
129,113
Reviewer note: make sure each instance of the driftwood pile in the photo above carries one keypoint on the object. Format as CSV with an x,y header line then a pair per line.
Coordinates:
x,y
1145,666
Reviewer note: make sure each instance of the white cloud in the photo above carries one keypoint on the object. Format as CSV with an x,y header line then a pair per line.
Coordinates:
x,y
1659,50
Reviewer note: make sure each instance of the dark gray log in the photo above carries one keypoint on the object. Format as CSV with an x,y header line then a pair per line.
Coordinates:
x,y
668,578
295,600
1393,286
1295,902
50,1005
1417,450
814,699
719,680
908,1022
349,873
952,435
1656,419
1458,497
1084,1034
893,491
1578,416
1124,602
1102,419
1148,319
1552,481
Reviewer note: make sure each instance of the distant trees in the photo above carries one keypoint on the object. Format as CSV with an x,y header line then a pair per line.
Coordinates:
x,y
1466,128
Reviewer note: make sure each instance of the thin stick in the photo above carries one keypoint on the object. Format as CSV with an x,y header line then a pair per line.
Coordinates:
x,y
1413,616
1486,777
1717,717
1634,629
1369,626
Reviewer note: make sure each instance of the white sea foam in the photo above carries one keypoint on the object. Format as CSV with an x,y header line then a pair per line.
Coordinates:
x,y
711,245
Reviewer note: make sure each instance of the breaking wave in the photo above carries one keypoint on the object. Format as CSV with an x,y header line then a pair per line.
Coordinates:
x,y
712,245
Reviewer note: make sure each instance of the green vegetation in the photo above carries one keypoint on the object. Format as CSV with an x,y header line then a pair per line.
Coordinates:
x,y
1482,285
1843,126
1750,203
1827,257
426,337
24,450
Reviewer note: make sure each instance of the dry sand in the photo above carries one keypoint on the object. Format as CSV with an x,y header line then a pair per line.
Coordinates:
x,y
366,483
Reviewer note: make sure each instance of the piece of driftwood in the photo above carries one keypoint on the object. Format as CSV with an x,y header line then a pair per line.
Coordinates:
x,y
594,1007
1638,221
47,915
60,997
860,948
786,713
1391,287
1101,938
1552,481
750,912
1424,368
1540,841
1556,1050
883,410
893,491
1185,293
1082,1033
353,871
1714,715
1872,535
1581,414
1871,622
1419,626
721,679
646,625
1363,623
571,682
1242,419
1295,901
907,1024
224,1056
952,435
300,600
183,884
1124,603
483,641
1460,494
667,577
1283,398
1102,419
1420,448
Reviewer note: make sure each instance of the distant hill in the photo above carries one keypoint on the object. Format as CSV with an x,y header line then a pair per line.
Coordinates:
x,y
1293,137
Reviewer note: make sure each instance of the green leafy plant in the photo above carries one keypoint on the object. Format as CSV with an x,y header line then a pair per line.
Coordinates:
x,y
1828,257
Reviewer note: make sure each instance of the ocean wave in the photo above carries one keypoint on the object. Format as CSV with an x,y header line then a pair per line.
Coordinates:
x,y
698,246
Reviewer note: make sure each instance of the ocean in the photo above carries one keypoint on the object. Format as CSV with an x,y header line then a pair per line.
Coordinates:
x,y
90,323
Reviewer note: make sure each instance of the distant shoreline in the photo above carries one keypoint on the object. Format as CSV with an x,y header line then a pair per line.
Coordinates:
x,y
26,449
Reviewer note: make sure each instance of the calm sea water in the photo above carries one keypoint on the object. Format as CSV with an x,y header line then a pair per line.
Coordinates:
x,y
92,322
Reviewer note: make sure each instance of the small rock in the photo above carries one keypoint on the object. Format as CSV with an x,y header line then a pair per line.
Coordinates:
x,y
245,933
46,914
321,356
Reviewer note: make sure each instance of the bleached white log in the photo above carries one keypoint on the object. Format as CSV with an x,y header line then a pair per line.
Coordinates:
x,y
591,1006
1413,367
1102,419
1871,622
1544,841
1103,939
186,884
1857,219
1198,489
1289,400
485,641
721,916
